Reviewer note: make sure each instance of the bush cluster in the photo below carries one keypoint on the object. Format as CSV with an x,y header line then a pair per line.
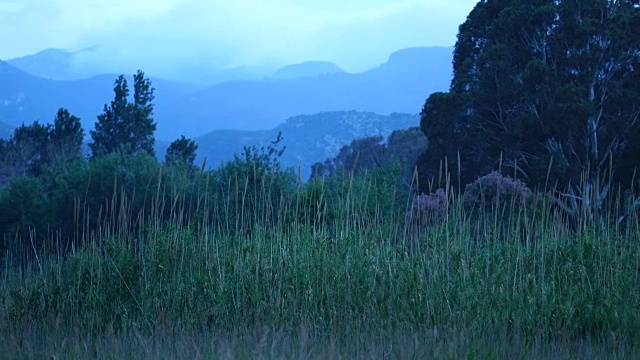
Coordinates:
x,y
490,191
428,209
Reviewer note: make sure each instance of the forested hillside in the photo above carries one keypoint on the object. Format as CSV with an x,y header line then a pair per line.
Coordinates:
x,y
308,138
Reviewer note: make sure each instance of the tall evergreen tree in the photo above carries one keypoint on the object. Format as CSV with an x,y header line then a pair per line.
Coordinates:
x,y
126,126
66,135
143,126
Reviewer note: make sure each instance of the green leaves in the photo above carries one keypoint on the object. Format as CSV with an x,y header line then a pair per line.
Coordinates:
x,y
67,134
531,73
29,148
181,151
33,149
126,126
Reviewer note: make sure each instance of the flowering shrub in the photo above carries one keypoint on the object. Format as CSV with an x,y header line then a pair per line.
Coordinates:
x,y
428,208
483,193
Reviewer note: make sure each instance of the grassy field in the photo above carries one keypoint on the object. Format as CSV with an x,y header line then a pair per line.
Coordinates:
x,y
515,282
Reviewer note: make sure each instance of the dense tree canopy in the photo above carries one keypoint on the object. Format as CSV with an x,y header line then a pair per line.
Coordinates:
x,y
181,151
373,152
66,135
126,126
28,154
540,82
33,148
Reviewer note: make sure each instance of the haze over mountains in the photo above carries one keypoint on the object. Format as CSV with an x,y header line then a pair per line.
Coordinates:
x,y
399,85
60,64
25,98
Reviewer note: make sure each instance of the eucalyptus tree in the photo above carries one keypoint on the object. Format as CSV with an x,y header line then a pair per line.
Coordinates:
x,y
548,89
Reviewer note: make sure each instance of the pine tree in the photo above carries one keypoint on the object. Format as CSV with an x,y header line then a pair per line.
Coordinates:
x,y
126,126
66,136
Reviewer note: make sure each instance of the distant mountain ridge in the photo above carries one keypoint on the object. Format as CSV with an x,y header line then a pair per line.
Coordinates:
x,y
53,64
400,85
25,98
308,138
61,64
307,68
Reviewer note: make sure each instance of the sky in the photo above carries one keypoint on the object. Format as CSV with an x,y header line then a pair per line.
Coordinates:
x,y
160,34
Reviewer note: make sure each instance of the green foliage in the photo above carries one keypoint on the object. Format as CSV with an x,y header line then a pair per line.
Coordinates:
x,y
66,183
74,199
361,154
406,145
66,136
538,282
28,151
252,187
531,90
126,126
440,124
181,151
25,212
159,251
369,153
308,138
33,149
377,193
129,182
263,160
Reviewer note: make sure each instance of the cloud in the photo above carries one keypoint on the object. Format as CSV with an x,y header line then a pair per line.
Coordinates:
x,y
160,35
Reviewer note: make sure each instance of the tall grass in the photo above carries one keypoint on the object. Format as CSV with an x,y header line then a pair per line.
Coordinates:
x,y
324,271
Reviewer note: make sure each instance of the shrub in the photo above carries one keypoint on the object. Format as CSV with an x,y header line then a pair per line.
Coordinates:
x,y
25,212
250,190
428,209
489,192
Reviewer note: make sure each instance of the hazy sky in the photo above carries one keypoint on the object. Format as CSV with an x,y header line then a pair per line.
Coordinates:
x,y
355,34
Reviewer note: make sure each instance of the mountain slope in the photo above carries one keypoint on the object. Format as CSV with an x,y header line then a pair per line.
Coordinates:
x,y
60,64
400,85
308,138
54,64
25,98
308,68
